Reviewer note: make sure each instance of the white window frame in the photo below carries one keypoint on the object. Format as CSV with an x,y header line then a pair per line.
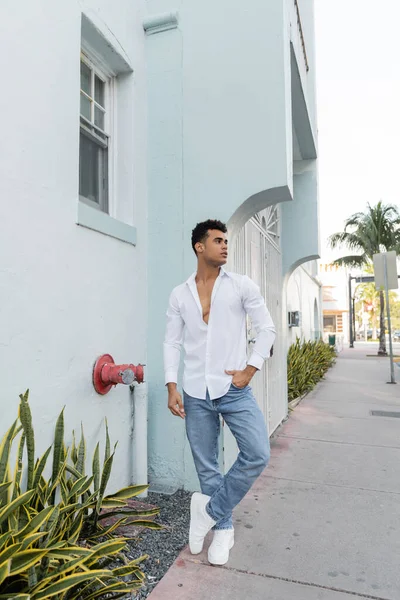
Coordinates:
x,y
98,68
103,50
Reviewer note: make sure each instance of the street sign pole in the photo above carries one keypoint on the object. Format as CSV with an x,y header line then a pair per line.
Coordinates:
x,y
351,339
392,377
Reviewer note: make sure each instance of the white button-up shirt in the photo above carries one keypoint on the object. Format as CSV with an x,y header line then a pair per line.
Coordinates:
x,y
220,346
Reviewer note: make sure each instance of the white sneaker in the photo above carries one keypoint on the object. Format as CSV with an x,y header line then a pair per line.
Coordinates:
x,y
218,552
200,522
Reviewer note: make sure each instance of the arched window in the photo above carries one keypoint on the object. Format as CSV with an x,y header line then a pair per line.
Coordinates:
x,y
268,221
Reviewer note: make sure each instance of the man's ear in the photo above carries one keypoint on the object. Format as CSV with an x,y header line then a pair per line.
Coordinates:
x,y
199,247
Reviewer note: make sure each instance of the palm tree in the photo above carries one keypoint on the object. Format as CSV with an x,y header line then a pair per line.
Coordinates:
x,y
368,233
368,294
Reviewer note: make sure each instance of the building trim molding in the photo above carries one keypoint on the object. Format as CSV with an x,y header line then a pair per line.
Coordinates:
x,y
161,22
99,221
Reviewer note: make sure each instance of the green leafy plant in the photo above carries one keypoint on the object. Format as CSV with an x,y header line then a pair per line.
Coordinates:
x,y
52,541
307,363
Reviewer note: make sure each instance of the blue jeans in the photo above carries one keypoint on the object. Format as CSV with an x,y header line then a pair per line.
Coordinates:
x,y
241,413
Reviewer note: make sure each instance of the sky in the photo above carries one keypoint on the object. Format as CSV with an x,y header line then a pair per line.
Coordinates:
x,y
358,95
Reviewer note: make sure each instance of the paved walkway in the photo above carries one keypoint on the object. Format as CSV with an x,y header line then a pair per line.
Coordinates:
x,y
323,521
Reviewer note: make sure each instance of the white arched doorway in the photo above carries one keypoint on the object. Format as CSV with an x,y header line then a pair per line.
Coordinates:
x,y
257,253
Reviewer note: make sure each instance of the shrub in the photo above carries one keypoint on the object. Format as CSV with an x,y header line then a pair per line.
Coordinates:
x,y
307,364
42,551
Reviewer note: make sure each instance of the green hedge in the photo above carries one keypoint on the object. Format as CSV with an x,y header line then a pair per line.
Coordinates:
x,y
307,364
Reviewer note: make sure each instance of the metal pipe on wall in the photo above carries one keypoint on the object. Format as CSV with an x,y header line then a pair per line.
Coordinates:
x,y
139,399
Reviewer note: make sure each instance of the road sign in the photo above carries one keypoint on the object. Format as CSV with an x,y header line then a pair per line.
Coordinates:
x,y
391,266
385,267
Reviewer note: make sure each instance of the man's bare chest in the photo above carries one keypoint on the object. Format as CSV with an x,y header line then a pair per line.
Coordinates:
x,y
205,297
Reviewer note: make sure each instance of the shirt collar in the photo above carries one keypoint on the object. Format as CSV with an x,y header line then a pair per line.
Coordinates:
x,y
193,275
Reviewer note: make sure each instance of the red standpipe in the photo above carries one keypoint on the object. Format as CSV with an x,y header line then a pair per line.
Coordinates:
x,y
107,374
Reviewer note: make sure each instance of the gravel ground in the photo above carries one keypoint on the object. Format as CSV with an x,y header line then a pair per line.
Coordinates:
x,y
164,546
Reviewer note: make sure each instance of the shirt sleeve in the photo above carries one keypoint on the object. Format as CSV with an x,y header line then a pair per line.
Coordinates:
x,y
261,320
173,340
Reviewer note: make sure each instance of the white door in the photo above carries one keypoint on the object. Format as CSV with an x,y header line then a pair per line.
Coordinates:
x,y
257,254
259,383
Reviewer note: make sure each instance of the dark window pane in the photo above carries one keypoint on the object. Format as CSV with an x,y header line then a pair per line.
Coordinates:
x,y
85,107
98,117
99,90
85,78
88,169
93,172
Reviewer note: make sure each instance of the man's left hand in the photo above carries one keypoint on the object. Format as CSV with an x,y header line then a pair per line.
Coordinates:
x,y
242,378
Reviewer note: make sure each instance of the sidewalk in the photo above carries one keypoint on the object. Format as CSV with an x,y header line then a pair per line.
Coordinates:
x,y
323,521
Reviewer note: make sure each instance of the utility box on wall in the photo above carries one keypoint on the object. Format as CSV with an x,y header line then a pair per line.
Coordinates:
x,y
294,318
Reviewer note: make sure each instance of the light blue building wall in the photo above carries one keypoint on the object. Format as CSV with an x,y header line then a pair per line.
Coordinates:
x,y
227,89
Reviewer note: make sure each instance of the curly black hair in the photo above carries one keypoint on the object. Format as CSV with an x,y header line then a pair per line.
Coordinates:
x,y
200,232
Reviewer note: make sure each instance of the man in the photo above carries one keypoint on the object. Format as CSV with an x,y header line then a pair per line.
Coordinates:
x,y
207,314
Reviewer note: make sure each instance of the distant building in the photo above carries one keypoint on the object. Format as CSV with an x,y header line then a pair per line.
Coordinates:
x,y
335,302
304,302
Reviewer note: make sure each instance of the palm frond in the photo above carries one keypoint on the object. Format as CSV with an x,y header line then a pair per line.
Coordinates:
x,y
344,238
354,261
370,232
354,220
